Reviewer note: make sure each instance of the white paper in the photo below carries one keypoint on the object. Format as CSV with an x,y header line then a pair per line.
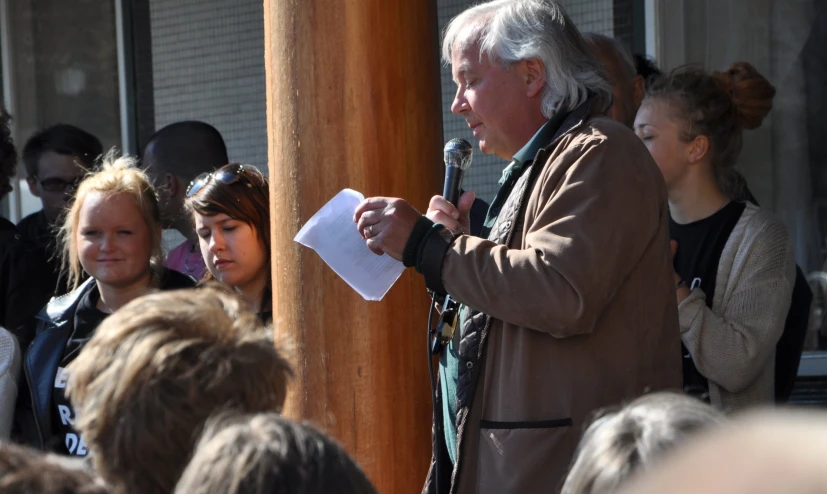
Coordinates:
x,y
333,235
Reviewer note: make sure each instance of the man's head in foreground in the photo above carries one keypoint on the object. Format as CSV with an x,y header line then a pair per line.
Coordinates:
x,y
156,369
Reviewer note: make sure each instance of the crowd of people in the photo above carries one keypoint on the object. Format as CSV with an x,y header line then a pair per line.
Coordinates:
x,y
623,294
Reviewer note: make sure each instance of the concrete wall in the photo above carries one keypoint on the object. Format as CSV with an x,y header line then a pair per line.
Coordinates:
x,y
208,64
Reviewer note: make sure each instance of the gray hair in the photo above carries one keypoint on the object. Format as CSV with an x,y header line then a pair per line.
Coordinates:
x,y
623,442
605,44
509,31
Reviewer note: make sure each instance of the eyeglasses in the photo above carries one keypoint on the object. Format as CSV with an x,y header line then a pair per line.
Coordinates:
x,y
226,175
60,185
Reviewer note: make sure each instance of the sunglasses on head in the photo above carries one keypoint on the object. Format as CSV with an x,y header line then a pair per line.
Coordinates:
x,y
226,175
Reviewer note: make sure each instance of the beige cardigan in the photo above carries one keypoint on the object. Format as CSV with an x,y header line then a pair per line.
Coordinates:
x,y
733,344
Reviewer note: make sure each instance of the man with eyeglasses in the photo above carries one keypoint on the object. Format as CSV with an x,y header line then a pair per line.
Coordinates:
x,y
56,160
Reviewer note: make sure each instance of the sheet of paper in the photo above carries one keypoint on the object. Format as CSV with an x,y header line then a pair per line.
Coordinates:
x,y
333,235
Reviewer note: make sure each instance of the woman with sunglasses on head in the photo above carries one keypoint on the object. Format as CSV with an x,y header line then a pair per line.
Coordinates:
x,y
112,234
734,267
231,212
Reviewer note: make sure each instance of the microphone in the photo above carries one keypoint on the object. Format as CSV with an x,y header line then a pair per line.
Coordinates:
x,y
457,155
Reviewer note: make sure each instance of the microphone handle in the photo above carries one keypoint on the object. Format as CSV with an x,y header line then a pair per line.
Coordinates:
x,y
453,182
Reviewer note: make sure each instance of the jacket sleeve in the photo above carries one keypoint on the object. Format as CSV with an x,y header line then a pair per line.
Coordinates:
x,y
733,347
585,236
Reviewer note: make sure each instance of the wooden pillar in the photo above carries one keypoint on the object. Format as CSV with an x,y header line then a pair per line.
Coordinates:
x,y
353,100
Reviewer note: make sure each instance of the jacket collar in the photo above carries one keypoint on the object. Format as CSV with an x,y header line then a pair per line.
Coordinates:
x,y
574,120
59,308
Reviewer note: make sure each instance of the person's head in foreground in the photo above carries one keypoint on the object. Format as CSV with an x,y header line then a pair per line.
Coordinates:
x,y
516,64
155,370
693,122
230,208
768,452
268,454
620,443
26,471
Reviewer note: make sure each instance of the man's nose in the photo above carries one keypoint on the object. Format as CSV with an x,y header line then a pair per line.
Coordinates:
x,y
460,104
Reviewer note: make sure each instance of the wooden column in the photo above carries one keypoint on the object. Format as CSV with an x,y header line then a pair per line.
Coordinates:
x,y
353,100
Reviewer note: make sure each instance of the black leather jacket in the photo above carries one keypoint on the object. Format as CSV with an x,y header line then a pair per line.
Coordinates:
x,y
33,415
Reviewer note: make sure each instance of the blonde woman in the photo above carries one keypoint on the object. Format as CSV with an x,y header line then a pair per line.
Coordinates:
x,y
112,234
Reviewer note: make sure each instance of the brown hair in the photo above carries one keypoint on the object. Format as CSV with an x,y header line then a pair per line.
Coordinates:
x,y
116,176
247,199
24,470
719,106
156,369
8,154
264,454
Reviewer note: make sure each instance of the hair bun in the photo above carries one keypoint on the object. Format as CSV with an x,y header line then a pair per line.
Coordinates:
x,y
751,93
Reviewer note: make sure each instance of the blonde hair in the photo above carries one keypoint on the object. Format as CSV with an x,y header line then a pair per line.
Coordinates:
x,y
620,443
266,453
156,369
115,176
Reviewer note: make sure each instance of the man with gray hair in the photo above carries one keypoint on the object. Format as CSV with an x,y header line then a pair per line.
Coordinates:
x,y
568,305
628,88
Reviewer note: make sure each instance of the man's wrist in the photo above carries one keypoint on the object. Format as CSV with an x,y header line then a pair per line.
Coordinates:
x,y
420,231
431,255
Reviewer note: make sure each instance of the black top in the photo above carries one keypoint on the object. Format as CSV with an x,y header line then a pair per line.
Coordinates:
x,y
7,230
87,318
42,238
700,245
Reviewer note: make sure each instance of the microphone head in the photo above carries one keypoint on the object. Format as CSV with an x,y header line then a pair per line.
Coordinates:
x,y
458,153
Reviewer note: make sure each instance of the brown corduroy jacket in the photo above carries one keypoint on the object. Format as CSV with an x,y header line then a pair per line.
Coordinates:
x,y
572,309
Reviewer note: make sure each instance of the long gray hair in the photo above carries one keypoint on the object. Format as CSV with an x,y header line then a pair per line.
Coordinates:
x,y
512,30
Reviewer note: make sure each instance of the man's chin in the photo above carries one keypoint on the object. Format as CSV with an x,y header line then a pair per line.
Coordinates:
x,y
489,149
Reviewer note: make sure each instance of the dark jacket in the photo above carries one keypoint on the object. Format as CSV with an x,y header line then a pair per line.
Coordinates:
x,y
33,417
572,309
29,273
7,230
8,235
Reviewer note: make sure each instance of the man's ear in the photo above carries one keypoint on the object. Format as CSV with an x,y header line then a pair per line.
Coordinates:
x,y
698,149
172,185
534,76
639,89
32,183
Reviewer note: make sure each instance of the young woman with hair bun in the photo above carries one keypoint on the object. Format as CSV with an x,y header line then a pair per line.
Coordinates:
x,y
734,266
